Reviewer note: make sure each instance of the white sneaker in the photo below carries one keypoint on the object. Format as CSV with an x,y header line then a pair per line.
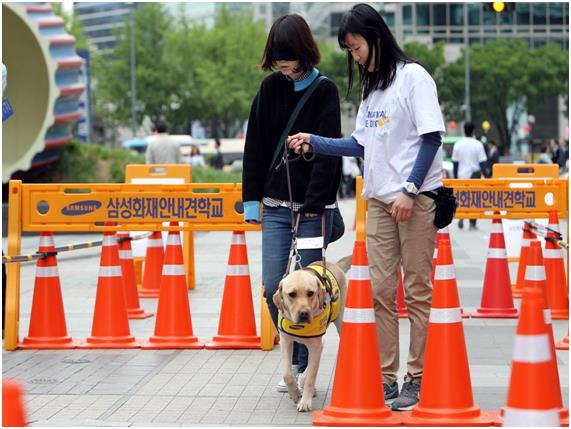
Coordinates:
x,y
282,386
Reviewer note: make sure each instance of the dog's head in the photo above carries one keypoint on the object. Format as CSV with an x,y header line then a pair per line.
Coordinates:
x,y
299,296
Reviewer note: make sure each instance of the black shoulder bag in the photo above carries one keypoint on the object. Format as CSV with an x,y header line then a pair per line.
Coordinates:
x,y
445,206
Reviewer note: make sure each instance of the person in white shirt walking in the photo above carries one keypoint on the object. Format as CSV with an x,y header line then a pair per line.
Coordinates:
x,y
469,160
162,149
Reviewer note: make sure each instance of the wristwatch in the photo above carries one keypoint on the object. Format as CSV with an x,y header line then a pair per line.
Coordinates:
x,y
411,188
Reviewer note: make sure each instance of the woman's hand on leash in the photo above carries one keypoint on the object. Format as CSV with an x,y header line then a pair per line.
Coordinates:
x,y
298,142
401,210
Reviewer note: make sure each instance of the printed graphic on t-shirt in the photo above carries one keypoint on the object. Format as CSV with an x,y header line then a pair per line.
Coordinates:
x,y
380,119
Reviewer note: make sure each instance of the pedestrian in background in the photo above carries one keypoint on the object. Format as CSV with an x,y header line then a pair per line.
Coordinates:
x,y
161,149
196,158
469,161
217,161
561,153
544,156
399,133
291,49
493,157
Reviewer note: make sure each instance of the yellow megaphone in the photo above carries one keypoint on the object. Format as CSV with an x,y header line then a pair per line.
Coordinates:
x,y
43,86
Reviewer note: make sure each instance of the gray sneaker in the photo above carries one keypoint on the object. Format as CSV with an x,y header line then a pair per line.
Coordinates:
x,y
391,391
409,396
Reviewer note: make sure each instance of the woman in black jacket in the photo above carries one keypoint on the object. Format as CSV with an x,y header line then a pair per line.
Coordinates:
x,y
291,50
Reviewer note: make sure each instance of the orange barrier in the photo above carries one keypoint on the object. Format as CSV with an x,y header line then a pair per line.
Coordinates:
x,y
534,396
173,327
557,293
167,174
13,414
154,260
357,398
237,327
525,171
497,301
128,279
110,329
446,391
47,329
131,207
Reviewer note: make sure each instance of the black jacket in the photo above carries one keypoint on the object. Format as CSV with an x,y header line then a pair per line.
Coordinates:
x,y
314,183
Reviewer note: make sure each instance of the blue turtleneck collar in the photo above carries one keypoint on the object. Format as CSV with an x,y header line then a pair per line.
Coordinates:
x,y
300,85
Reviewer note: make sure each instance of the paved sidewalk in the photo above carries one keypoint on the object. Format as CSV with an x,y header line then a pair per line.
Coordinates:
x,y
225,387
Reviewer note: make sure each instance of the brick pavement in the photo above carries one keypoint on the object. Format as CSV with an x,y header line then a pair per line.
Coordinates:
x,y
223,387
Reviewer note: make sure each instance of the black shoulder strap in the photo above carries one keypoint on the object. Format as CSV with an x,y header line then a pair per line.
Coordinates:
x,y
293,117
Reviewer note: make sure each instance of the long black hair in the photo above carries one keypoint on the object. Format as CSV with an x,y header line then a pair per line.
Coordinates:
x,y
365,21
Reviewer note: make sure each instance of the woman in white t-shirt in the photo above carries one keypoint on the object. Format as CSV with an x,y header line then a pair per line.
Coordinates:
x,y
398,133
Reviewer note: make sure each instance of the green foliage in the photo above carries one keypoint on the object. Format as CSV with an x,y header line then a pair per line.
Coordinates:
x,y
72,26
334,66
431,58
504,73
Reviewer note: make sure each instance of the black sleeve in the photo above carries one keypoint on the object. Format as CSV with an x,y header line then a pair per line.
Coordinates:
x,y
324,174
255,169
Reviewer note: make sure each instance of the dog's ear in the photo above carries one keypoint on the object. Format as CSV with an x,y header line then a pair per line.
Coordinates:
x,y
321,293
279,300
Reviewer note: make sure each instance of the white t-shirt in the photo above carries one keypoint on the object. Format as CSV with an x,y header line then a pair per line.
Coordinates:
x,y
468,153
389,125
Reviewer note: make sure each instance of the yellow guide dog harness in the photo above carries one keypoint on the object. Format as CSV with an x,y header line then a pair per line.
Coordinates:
x,y
327,315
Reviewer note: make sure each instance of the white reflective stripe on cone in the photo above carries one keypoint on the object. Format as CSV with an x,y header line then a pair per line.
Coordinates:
x,y
237,270
497,228
547,316
532,349
155,242
113,271
359,272
125,254
47,272
109,240
534,273
358,315
435,254
46,241
173,270
552,254
445,315
444,272
173,239
553,226
525,242
515,417
495,253
238,239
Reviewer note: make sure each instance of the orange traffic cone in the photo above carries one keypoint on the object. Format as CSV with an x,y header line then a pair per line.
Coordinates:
x,y
13,414
443,233
237,327
446,390
564,343
110,329
528,235
535,278
134,310
557,294
357,398
497,300
47,329
534,396
173,327
154,259
401,306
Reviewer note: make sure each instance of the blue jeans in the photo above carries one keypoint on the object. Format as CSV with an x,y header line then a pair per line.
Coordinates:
x,y
276,244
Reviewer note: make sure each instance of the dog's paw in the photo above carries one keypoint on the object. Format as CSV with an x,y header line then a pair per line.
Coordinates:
x,y
304,405
295,395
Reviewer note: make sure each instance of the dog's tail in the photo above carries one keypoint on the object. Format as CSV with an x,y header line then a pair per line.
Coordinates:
x,y
345,263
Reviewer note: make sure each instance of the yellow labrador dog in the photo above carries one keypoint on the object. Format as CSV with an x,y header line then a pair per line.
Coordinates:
x,y
307,303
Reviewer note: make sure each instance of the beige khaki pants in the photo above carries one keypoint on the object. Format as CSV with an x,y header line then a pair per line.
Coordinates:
x,y
387,244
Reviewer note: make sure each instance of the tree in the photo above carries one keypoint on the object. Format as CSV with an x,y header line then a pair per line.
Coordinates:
x,y
155,86
504,73
431,58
